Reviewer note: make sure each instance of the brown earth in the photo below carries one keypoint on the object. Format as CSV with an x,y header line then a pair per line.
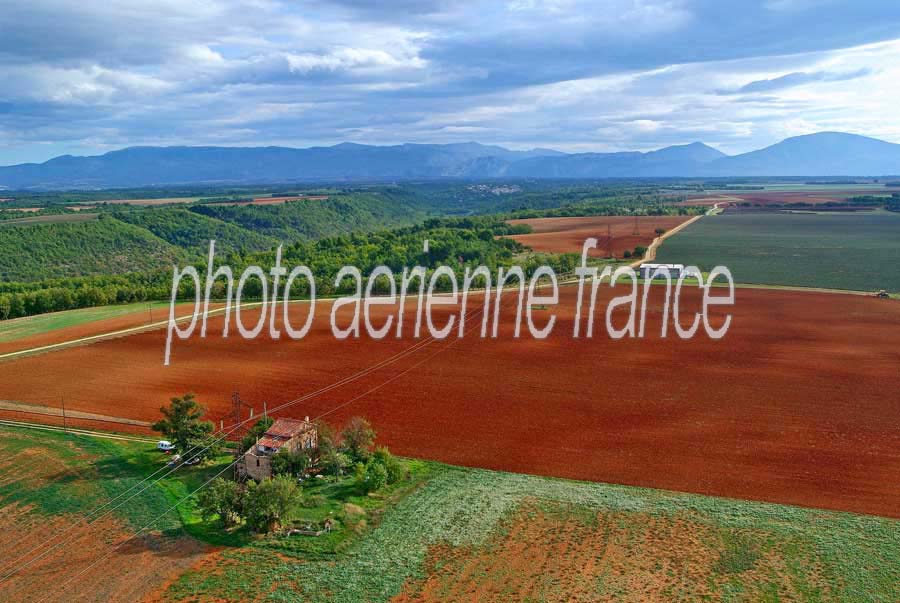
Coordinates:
x,y
567,235
798,403
71,572
575,555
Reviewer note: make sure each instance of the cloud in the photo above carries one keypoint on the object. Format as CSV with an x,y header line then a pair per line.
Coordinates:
x,y
620,74
798,78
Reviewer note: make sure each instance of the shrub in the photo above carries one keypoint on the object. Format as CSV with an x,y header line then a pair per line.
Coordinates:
x,y
285,462
371,476
268,502
335,463
376,476
392,467
222,498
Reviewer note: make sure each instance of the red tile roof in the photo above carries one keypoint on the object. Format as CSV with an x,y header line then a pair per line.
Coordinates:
x,y
287,428
283,430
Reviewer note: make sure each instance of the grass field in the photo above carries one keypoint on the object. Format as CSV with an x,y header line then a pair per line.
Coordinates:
x,y
445,533
484,536
855,252
19,328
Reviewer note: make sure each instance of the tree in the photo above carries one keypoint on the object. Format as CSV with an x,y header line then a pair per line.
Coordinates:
x,y
205,446
358,437
285,462
253,434
5,307
269,501
183,423
334,462
222,498
392,467
327,438
376,476
371,476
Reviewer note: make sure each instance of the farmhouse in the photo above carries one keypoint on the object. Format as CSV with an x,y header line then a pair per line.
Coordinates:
x,y
675,270
284,434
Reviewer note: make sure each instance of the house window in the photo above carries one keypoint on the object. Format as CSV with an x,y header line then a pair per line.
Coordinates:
x,y
257,461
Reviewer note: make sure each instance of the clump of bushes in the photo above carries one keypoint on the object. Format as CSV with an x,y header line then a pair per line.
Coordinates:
x,y
262,505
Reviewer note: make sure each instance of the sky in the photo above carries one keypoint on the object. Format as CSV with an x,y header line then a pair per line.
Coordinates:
x,y
86,77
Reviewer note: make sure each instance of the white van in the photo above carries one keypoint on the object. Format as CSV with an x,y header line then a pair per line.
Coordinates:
x,y
165,446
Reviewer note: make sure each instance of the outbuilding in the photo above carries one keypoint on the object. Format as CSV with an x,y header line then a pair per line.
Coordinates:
x,y
647,270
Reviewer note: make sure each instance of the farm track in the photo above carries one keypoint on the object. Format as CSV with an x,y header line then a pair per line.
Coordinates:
x,y
650,255
49,411
83,432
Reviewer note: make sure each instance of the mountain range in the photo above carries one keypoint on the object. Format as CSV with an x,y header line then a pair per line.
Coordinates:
x,y
822,154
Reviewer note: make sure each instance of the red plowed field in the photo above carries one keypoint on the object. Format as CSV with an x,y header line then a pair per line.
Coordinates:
x,y
130,320
798,403
561,235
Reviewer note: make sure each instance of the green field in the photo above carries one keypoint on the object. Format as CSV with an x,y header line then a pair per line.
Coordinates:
x,y
19,328
859,252
448,533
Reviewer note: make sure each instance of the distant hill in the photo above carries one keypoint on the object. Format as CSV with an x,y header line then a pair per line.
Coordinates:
x,y
152,238
104,246
670,161
823,154
150,166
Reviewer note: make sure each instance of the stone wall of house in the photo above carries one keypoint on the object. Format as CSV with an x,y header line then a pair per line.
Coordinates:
x,y
257,467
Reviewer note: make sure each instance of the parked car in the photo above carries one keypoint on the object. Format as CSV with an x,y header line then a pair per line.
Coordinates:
x,y
165,446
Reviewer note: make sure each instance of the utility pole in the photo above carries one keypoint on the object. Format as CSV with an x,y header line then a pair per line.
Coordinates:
x,y
62,400
237,406
150,309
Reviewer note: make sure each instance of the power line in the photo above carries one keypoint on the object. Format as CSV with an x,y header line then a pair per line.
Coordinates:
x,y
223,434
133,536
344,381
194,452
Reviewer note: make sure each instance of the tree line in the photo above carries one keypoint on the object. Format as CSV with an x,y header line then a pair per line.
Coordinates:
x,y
458,242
